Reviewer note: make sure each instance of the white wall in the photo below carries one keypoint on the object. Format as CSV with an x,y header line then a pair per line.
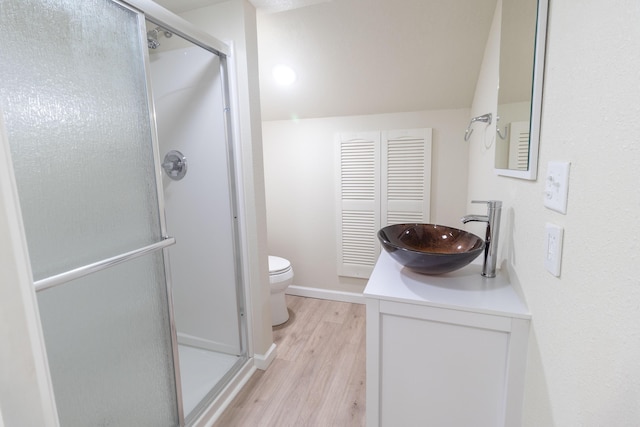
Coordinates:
x,y
234,20
583,367
300,178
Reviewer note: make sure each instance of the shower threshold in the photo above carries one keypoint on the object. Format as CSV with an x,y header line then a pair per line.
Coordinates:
x,y
200,371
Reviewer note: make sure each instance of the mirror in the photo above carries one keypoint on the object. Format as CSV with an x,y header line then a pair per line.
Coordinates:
x,y
522,44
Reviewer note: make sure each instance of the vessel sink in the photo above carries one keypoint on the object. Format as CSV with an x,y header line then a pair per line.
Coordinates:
x,y
430,248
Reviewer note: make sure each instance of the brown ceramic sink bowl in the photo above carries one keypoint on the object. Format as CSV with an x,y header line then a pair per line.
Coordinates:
x,y
430,248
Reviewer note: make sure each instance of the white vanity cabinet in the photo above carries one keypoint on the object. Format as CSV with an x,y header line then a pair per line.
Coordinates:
x,y
444,350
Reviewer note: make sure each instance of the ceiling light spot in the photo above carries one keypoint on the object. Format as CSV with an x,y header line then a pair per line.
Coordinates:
x,y
284,75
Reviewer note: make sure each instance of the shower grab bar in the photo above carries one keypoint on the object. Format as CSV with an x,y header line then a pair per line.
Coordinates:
x,y
76,273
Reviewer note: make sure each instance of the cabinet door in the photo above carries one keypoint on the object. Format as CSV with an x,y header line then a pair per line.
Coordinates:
x,y
434,366
441,374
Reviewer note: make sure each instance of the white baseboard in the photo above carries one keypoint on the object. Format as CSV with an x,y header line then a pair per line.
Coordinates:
x,y
303,291
226,396
262,361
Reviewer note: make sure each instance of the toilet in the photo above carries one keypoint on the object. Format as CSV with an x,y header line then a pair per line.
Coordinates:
x,y
280,277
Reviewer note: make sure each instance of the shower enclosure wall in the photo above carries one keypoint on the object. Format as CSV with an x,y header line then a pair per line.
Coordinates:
x,y
127,263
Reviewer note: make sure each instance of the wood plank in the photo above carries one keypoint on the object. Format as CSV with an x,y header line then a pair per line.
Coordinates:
x,y
318,376
352,413
303,319
312,377
337,311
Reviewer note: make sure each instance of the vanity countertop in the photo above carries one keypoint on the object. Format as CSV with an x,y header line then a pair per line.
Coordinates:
x,y
464,289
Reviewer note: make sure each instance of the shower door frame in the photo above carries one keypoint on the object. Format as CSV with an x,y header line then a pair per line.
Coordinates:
x,y
168,20
182,28
26,354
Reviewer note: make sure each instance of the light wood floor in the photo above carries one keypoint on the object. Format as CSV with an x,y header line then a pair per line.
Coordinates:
x,y
318,376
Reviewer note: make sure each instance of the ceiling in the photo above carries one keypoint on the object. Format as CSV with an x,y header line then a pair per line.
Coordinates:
x,y
356,57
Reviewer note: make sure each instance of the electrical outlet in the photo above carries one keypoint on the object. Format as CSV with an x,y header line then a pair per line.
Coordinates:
x,y
556,189
553,248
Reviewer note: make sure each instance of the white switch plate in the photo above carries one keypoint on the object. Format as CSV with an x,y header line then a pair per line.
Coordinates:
x,y
556,188
553,248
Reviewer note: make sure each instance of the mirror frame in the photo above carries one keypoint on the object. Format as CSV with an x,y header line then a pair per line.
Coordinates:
x,y
536,97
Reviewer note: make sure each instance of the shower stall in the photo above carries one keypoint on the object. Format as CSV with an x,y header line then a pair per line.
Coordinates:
x,y
117,117
199,207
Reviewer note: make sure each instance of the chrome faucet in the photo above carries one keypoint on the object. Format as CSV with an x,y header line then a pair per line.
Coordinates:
x,y
492,218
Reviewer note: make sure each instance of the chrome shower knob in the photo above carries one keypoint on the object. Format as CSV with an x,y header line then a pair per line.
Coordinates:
x,y
175,165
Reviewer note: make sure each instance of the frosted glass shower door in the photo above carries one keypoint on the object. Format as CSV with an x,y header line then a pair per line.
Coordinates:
x,y
73,94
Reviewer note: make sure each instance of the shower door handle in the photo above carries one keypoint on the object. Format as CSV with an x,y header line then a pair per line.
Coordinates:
x,y
85,270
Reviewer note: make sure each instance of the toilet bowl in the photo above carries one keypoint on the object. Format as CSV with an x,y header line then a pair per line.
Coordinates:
x,y
280,277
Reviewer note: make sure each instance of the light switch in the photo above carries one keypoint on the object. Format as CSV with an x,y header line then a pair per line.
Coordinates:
x,y
556,189
553,248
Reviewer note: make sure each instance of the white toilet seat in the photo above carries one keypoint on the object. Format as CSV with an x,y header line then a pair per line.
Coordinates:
x,y
278,265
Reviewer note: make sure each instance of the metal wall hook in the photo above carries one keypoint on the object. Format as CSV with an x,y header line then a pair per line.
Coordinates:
x,y
500,133
485,118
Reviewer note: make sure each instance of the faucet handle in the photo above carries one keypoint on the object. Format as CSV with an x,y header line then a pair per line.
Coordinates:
x,y
490,203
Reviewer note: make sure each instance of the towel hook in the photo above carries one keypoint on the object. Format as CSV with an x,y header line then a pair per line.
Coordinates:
x,y
506,129
485,118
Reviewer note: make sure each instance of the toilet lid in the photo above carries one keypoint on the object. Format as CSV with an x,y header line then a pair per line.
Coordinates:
x,y
278,265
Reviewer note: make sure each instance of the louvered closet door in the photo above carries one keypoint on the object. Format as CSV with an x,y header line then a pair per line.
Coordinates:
x,y
358,202
383,178
519,146
406,176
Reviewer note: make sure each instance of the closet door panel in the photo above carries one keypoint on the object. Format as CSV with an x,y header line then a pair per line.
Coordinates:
x,y
406,176
358,159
